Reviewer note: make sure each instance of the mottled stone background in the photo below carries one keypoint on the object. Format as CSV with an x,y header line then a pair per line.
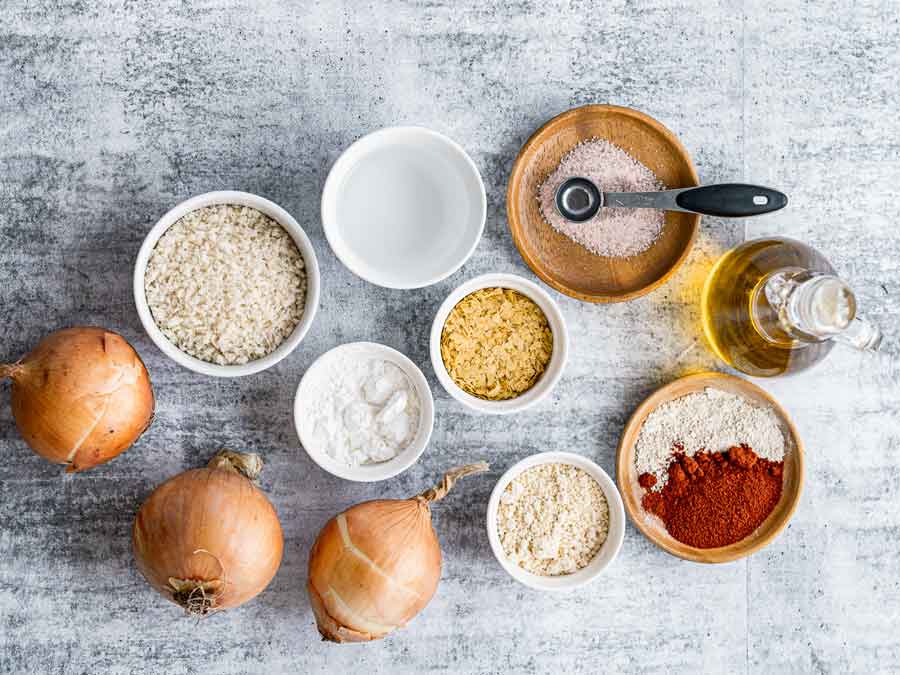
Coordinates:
x,y
112,112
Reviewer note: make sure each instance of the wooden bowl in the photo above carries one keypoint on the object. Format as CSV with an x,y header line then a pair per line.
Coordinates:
x,y
653,528
569,267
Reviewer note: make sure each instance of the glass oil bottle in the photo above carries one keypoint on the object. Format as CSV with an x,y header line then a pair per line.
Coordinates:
x,y
775,306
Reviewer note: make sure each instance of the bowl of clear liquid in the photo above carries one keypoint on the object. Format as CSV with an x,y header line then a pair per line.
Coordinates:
x,y
404,207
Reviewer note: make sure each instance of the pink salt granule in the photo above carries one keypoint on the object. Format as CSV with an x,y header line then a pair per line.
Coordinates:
x,y
613,232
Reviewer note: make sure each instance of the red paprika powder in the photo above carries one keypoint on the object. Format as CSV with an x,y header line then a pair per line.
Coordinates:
x,y
715,499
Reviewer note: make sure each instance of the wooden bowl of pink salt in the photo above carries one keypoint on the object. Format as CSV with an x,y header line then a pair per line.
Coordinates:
x,y
620,254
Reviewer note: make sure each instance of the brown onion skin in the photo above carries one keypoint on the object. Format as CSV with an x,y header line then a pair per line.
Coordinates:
x,y
396,535
216,511
49,408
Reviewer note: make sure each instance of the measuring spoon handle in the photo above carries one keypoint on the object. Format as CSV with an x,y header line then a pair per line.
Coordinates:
x,y
727,200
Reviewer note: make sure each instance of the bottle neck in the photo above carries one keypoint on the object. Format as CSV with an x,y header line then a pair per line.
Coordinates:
x,y
813,307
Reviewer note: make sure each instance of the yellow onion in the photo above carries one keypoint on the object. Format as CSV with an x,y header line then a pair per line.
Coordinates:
x,y
209,539
81,397
377,564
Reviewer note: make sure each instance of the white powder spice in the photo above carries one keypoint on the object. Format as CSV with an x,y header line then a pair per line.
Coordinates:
x,y
613,232
226,284
366,410
552,519
711,420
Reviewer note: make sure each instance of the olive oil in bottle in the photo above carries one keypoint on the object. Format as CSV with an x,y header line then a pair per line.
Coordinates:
x,y
774,306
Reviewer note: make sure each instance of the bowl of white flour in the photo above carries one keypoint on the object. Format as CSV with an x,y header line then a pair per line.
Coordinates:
x,y
364,412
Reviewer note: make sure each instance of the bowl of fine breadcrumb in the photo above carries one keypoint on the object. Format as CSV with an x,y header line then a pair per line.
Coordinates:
x,y
555,521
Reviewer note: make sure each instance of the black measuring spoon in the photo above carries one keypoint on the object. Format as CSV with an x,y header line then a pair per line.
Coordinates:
x,y
579,199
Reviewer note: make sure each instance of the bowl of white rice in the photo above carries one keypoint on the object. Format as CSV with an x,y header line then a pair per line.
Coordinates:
x,y
227,284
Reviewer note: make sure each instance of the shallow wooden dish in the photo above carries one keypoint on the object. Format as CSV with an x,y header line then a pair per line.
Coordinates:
x,y
652,527
568,267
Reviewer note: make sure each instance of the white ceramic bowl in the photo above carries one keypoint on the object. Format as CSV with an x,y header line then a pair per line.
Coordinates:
x,y
557,360
403,207
274,212
604,557
308,390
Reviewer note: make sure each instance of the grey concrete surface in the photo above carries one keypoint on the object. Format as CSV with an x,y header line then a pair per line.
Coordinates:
x,y
112,112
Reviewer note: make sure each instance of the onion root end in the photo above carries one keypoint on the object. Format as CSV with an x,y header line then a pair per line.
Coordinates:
x,y
198,598
329,628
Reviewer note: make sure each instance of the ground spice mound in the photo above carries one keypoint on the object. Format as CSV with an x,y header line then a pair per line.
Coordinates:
x,y
715,499
613,232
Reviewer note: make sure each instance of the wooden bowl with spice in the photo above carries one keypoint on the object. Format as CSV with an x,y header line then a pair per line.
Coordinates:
x,y
632,253
710,468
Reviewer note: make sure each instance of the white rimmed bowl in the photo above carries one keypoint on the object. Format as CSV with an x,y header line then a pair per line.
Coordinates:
x,y
274,212
604,557
404,207
307,392
558,358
